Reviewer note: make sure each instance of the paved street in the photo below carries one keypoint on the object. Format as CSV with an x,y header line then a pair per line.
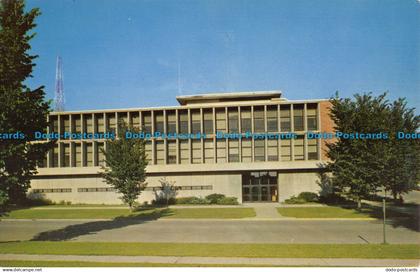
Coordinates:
x,y
207,231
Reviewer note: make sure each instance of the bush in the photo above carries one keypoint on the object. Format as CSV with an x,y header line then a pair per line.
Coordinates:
x,y
334,199
162,201
3,200
215,198
308,196
295,200
228,201
192,200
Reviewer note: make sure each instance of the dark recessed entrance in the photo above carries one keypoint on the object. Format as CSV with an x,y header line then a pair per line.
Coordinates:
x,y
259,186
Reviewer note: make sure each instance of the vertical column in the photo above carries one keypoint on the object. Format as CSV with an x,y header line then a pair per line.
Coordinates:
x,y
59,144
117,130
305,129
214,137
279,131
165,139
227,131
240,131
292,128
252,138
319,128
152,117
202,132
266,132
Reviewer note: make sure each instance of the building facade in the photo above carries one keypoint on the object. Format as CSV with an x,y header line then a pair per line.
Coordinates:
x,y
256,148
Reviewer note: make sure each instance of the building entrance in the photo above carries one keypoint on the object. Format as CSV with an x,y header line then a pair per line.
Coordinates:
x,y
259,186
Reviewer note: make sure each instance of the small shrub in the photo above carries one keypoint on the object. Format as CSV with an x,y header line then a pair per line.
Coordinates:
x,y
163,201
215,198
308,196
192,200
3,200
334,199
228,201
294,200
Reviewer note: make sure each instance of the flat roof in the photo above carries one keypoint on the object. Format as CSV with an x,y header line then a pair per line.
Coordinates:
x,y
236,96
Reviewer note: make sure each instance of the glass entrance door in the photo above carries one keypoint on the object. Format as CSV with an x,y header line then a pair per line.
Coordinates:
x,y
259,186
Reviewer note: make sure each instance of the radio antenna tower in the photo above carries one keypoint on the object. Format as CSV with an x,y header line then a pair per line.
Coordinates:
x,y
59,88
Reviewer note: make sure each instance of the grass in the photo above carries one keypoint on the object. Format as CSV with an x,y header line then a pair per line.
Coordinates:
x,y
321,212
337,212
74,213
392,251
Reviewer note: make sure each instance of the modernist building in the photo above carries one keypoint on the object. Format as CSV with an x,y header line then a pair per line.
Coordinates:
x,y
250,168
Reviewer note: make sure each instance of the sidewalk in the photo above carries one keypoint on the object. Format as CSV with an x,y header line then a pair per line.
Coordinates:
x,y
216,260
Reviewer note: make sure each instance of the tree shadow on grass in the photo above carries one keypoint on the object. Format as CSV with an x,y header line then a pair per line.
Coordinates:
x,y
405,215
73,231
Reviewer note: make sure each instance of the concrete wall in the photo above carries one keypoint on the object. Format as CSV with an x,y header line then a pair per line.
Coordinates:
x,y
227,184
291,184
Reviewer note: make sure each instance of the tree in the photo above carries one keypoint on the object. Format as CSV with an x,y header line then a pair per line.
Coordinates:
x,y
401,171
126,163
361,167
22,110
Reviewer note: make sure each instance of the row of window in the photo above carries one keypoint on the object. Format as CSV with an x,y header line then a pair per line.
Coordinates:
x,y
209,120
193,151
108,189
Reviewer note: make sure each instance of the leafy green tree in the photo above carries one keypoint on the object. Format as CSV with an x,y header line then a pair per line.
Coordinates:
x,y
362,167
401,171
126,163
356,165
22,110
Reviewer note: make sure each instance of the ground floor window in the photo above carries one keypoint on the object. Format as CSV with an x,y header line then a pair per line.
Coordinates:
x,y
260,186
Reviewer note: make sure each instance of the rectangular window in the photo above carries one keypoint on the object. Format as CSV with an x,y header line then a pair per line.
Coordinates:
x,y
196,151
299,149
220,120
183,122
195,121
122,119
54,123
171,122
233,120
208,151
272,150
78,155
100,124
208,121
160,154
259,150
148,150
233,150
285,149
312,149
246,150
135,120
184,152
171,159
246,125
54,162
272,119
147,122
111,123
159,122
88,123
88,154
77,124
100,155
221,150
298,117
259,119
66,155
285,118
65,123
312,117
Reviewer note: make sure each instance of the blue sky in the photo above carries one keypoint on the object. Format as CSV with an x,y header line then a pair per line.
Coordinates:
x,y
120,54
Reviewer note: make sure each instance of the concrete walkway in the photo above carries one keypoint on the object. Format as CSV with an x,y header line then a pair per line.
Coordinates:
x,y
216,260
265,210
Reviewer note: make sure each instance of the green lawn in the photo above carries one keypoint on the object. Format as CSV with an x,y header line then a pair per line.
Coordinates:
x,y
215,250
75,213
321,212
